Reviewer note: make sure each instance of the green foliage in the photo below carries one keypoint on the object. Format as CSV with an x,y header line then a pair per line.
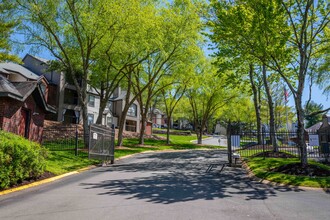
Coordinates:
x,y
262,168
20,159
310,108
178,142
7,25
60,162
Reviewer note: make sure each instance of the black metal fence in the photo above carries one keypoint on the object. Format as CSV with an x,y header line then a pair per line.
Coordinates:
x,y
251,144
70,137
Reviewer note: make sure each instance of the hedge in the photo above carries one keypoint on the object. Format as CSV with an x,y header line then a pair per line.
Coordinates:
x,y
20,159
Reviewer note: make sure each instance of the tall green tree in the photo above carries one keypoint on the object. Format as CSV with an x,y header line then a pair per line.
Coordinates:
x,y
124,47
312,111
308,20
178,28
249,29
207,96
71,31
7,26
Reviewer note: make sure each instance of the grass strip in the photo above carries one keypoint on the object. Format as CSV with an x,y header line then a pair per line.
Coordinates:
x,y
262,168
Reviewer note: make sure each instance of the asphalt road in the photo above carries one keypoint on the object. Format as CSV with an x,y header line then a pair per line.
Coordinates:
x,y
171,185
215,140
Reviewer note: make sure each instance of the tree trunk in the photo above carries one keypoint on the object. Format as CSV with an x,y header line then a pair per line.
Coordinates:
x,y
121,125
168,130
103,104
256,104
85,125
143,128
271,110
199,136
229,131
300,112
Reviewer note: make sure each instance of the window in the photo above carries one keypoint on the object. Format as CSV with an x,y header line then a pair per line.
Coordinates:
x,y
70,97
90,119
132,110
91,101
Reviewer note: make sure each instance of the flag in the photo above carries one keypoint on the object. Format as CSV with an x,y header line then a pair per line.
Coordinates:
x,y
286,94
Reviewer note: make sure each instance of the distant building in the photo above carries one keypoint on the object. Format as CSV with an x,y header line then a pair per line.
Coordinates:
x,y
324,131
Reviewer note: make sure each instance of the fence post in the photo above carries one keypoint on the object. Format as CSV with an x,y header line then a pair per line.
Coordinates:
x,y
263,142
76,150
229,143
89,140
112,160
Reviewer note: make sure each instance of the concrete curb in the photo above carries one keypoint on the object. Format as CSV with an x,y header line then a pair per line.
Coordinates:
x,y
44,181
270,183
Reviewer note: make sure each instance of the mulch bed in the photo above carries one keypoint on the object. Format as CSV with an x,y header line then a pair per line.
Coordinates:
x,y
296,169
274,154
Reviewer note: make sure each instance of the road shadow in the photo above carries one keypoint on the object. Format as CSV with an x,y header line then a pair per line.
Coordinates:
x,y
179,177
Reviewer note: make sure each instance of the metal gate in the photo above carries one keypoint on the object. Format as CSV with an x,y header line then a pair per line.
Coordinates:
x,y
101,143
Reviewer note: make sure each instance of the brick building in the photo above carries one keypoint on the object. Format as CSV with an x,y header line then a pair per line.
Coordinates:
x,y
23,102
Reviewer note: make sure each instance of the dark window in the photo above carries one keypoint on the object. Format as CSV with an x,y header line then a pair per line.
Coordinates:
x,y
70,97
91,101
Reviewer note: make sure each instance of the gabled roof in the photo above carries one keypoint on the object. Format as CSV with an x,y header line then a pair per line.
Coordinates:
x,y
8,89
13,68
37,58
21,90
314,127
120,97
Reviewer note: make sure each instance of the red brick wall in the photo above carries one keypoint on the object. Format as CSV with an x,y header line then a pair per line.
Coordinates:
x,y
148,130
12,121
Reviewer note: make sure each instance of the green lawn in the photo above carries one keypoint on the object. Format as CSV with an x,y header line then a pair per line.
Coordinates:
x,y
262,169
178,142
59,162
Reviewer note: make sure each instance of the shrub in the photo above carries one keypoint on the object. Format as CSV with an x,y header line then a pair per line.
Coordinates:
x,y
20,159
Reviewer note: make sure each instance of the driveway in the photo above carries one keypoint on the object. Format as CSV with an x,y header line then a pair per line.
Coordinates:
x,y
215,140
167,185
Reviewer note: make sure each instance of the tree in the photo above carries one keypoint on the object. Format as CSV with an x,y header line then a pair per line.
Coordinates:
x,y
172,96
289,36
311,117
71,31
178,27
207,96
124,47
248,28
7,25
308,20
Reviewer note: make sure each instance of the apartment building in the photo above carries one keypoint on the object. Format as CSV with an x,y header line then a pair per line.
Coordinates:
x,y
64,96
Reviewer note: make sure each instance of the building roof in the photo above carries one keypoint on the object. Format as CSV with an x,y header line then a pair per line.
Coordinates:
x,y
8,89
120,97
25,88
13,68
21,90
314,127
43,60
